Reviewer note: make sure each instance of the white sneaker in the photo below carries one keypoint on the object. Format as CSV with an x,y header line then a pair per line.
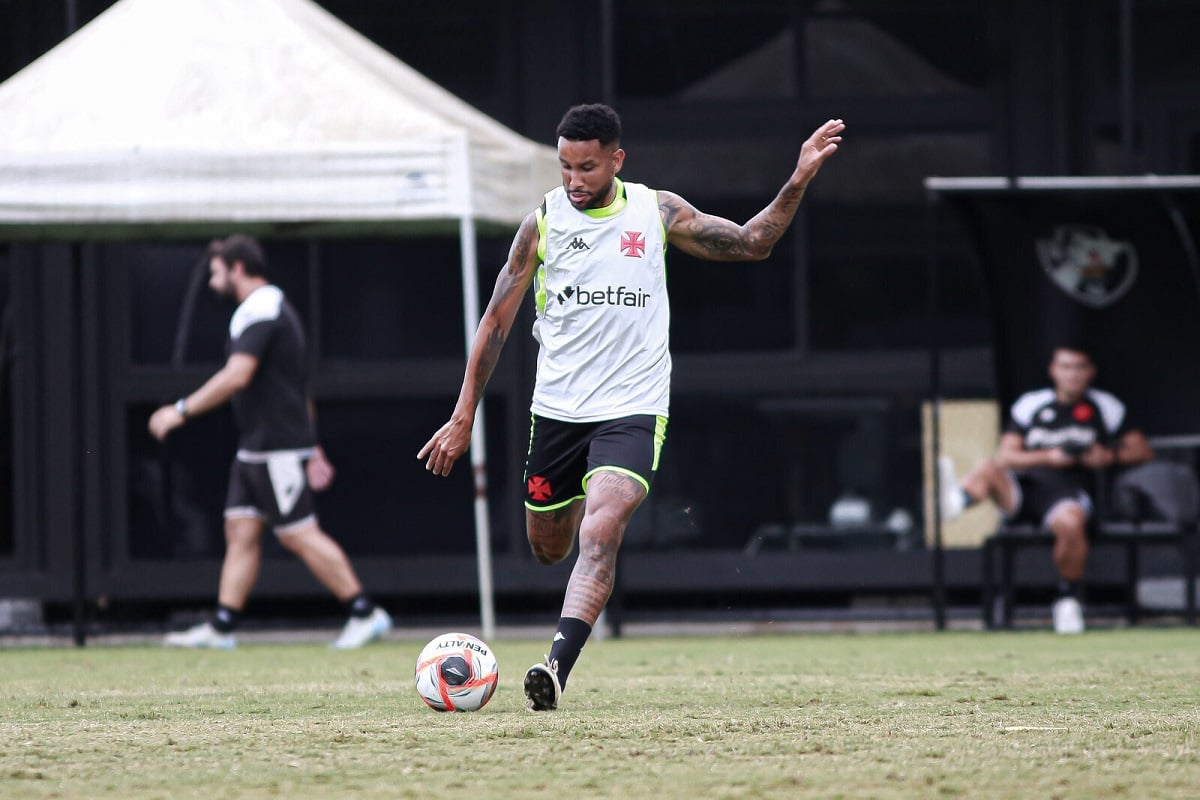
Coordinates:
x,y
202,635
1068,615
360,630
951,494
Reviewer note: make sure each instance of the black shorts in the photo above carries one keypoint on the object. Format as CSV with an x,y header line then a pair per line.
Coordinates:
x,y
272,487
563,456
1043,489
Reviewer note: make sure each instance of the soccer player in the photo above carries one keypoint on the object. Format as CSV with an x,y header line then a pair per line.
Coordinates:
x,y
594,251
1044,469
278,462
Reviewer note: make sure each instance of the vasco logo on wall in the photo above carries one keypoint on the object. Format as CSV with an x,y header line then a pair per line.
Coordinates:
x,y
1088,265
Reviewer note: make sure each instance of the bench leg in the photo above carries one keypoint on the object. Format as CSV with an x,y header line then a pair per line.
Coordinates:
x,y
1132,611
1007,554
1189,578
986,592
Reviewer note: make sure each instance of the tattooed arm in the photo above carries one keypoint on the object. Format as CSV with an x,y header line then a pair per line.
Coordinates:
x,y
717,239
453,438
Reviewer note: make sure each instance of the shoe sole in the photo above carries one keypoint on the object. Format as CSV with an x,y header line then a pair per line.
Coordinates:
x,y
540,690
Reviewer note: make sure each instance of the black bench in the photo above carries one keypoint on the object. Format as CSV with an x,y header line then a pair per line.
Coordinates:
x,y
1000,549
1171,519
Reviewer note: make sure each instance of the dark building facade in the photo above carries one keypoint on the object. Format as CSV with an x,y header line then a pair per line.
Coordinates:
x,y
797,381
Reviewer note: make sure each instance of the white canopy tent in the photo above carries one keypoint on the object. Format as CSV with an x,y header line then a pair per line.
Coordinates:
x,y
170,117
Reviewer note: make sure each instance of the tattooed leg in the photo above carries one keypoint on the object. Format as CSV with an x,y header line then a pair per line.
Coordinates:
x,y
552,533
611,500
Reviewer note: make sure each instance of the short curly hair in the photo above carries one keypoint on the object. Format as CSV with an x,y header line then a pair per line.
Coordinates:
x,y
591,121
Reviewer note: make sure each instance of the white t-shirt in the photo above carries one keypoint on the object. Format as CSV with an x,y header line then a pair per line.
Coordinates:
x,y
603,316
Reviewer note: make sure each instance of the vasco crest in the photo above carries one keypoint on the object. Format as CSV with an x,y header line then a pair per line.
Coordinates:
x,y
1088,265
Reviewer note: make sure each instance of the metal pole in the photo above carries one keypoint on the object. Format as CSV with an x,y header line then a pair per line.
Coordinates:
x,y
71,15
608,78
935,390
79,536
79,567
483,534
1125,47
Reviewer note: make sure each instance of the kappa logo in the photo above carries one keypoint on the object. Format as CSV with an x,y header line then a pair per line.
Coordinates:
x,y
633,244
578,244
1088,265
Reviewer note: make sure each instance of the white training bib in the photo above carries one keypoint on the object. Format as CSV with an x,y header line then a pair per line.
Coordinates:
x,y
603,315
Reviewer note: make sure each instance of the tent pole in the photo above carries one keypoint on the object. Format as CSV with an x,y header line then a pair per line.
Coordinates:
x,y
935,407
483,536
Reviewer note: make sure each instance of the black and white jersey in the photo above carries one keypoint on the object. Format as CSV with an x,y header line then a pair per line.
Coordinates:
x,y
272,412
1044,423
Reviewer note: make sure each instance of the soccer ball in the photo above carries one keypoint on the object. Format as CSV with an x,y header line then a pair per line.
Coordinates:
x,y
456,672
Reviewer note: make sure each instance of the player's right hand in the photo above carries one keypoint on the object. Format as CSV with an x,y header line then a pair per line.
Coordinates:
x,y
1058,457
447,446
163,421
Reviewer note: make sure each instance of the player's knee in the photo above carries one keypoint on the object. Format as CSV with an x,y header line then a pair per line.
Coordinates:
x,y
547,548
546,559
298,541
1070,522
293,544
992,474
599,563
548,554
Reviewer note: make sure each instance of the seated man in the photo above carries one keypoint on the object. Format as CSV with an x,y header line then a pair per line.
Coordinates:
x,y
1044,469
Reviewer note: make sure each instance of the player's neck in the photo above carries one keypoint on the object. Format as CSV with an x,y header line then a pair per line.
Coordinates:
x,y
616,201
1067,398
247,287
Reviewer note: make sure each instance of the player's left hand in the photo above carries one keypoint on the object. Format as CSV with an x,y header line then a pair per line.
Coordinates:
x,y
817,148
319,471
1097,457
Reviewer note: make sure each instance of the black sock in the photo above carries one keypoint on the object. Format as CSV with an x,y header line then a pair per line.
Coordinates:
x,y
226,619
569,639
968,500
360,606
1068,588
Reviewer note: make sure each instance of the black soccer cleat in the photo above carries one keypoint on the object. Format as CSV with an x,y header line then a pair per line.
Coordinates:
x,y
541,688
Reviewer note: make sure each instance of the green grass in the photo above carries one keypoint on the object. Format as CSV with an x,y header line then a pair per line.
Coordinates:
x,y
1111,714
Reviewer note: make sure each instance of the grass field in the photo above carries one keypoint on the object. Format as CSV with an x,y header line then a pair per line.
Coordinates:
x,y
1111,714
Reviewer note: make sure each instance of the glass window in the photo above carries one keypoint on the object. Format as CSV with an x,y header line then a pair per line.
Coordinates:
x,y
382,503
739,307
177,489
1164,33
867,48
863,48
753,56
160,278
423,33
869,281
809,453
394,298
